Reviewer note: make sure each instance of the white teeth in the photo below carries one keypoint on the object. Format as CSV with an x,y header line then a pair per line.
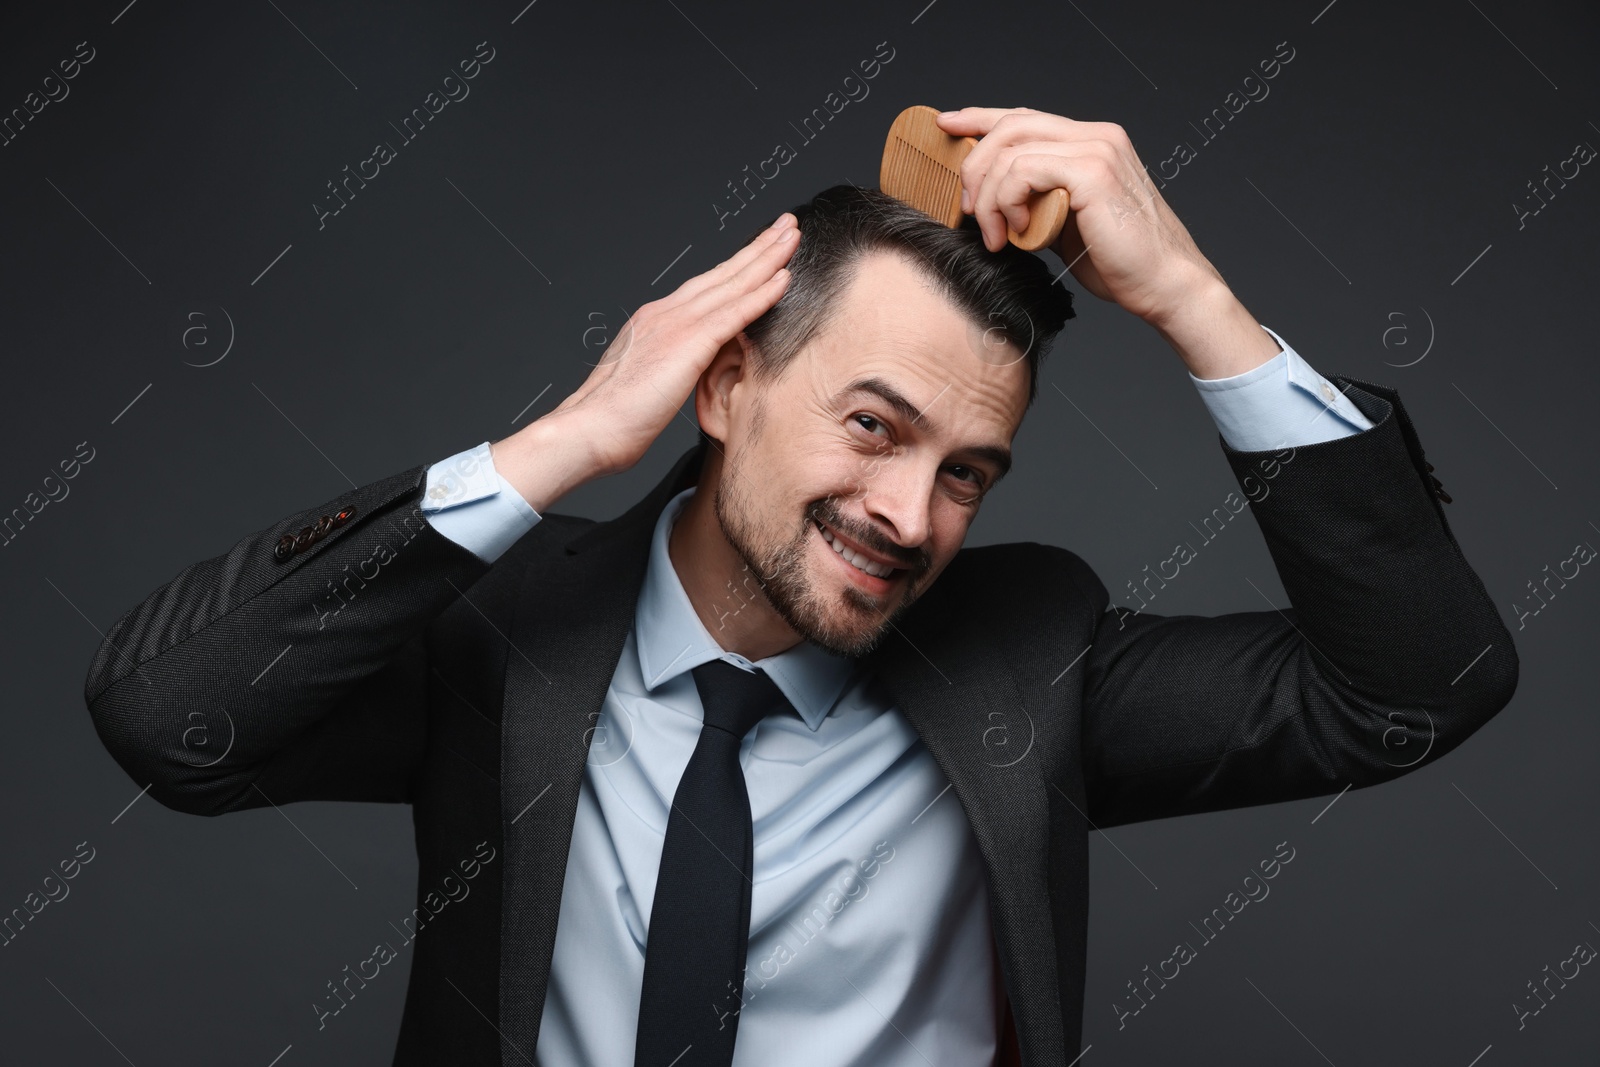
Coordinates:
x,y
855,559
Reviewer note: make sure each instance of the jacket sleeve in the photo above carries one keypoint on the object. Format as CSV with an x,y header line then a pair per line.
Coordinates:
x,y
278,671
1389,654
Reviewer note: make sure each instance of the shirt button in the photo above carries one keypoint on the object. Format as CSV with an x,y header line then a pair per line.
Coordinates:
x,y
1327,390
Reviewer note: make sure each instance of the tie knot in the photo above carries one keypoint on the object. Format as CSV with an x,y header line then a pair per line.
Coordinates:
x,y
736,699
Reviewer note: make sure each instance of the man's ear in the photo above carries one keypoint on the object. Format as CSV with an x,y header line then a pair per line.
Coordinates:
x,y
729,367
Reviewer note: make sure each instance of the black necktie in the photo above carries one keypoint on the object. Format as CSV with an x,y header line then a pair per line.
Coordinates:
x,y
700,922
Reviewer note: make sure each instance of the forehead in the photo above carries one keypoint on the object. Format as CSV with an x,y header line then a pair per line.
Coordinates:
x,y
893,322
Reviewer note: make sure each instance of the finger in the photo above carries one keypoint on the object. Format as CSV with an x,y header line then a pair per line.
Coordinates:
x,y
972,121
757,302
1015,127
723,322
1025,171
977,122
734,263
752,250
1021,126
757,272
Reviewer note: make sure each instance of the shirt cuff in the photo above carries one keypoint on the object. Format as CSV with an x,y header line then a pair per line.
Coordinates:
x,y
467,500
1283,402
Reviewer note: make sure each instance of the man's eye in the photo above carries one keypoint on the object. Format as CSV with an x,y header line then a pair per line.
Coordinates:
x,y
976,479
868,418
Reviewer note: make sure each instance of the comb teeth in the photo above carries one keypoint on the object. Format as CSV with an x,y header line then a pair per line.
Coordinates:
x,y
923,182
922,164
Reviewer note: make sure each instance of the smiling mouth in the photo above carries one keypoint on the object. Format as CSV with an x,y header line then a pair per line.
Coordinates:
x,y
881,571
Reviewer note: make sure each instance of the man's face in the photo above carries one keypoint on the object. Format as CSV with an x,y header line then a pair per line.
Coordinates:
x,y
882,434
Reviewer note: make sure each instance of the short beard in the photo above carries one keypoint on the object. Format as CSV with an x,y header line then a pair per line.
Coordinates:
x,y
783,578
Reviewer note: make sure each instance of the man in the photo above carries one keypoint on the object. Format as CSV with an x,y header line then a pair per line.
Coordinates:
x,y
714,737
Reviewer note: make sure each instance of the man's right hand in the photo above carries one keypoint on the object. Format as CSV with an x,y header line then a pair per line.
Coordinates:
x,y
646,373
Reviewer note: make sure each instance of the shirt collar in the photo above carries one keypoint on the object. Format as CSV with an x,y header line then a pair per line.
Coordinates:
x,y
671,639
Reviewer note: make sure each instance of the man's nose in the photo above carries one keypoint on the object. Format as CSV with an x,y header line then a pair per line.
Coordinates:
x,y
896,497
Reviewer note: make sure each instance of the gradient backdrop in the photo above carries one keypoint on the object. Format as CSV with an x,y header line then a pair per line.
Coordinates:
x,y
183,320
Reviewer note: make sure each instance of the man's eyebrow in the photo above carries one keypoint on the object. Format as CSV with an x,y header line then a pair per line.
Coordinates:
x,y
908,411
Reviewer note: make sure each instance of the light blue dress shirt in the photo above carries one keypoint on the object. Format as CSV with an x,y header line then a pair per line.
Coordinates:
x,y
870,943
1282,402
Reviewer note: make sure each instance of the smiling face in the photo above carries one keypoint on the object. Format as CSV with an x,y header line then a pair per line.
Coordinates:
x,y
881,435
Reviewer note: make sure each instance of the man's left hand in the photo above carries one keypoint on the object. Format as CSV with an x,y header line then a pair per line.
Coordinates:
x,y
1121,241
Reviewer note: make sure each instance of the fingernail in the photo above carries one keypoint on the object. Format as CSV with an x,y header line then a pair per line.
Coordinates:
x,y
966,201
948,114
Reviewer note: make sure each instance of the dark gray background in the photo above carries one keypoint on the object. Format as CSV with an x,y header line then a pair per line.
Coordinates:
x,y
1383,164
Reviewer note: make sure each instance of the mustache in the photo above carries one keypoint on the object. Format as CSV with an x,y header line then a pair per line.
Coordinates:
x,y
915,560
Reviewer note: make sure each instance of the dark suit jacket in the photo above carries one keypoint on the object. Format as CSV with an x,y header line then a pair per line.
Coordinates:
x,y
470,691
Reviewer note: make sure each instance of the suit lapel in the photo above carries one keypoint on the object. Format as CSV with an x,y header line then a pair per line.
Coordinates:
x,y
570,622
958,694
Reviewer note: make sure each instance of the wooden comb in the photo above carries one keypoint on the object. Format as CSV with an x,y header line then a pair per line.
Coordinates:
x,y
922,167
